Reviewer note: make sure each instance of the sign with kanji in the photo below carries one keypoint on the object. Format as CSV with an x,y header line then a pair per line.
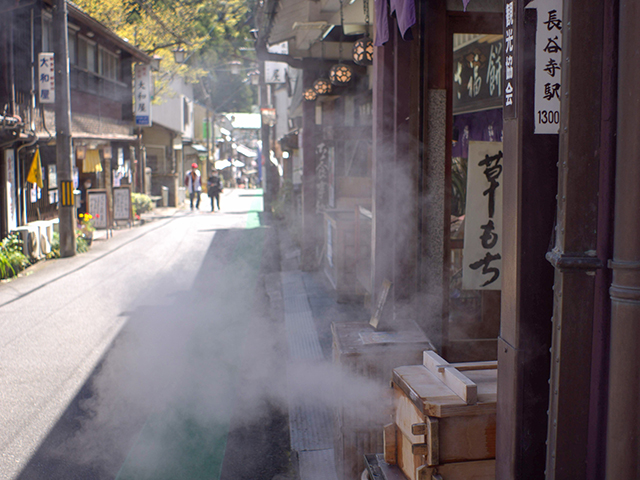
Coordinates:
x,y
509,109
275,72
482,254
143,93
46,78
477,76
548,66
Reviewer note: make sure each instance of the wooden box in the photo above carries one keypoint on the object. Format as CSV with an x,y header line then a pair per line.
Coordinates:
x,y
362,351
444,414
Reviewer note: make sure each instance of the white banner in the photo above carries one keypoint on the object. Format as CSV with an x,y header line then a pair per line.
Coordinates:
x,y
548,66
46,78
10,175
143,95
275,72
482,254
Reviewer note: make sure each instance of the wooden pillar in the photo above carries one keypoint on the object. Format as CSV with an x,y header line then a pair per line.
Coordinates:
x,y
382,233
623,435
403,180
530,188
574,254
311,232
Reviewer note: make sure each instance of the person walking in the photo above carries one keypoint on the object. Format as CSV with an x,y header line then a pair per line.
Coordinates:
x,y
214,187
194,185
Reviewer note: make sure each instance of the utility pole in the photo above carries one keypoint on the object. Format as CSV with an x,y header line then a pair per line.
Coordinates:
x,y
66,208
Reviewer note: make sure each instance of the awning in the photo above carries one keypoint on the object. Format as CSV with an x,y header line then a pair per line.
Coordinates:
x,y
246,151
222,164
198,148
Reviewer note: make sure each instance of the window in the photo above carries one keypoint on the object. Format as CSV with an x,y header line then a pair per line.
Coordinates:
x,y
86,54
73,58
108,64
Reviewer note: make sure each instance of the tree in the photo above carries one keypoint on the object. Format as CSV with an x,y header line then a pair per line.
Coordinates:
x,y
212,33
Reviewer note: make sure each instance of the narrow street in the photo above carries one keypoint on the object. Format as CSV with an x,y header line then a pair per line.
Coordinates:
x,y
153,356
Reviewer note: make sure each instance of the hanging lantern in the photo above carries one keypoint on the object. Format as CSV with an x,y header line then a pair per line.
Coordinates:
x,y
363,51
322,86
340,74
309,95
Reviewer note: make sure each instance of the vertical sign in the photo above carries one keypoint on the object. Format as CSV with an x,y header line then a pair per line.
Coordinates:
x,y
274,72
46,78
548,66
143,95
10,175
509,59
482,254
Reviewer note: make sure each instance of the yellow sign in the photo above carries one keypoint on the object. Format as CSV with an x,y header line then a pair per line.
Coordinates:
x,y
35,172
66,194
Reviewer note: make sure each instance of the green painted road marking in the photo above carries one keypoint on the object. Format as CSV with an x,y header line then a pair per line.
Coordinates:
x,y
253,219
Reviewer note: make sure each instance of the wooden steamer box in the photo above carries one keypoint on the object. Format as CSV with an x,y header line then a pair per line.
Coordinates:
x,y
362,351
444,420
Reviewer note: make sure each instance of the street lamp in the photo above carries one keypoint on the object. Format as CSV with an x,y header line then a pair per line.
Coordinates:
x,y
155,63
180,55
234,67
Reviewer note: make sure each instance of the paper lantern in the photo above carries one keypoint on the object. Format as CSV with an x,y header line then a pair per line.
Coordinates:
x,y
363,51
340,74
322,86
309,95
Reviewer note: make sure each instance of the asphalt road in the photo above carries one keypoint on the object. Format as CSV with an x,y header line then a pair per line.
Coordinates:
x,y
152,356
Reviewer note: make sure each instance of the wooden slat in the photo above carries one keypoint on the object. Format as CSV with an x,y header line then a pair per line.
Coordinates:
x,y
480,470
451,377
390,441
471,366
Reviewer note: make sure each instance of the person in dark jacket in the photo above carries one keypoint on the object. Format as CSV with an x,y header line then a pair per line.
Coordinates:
x,y
214,187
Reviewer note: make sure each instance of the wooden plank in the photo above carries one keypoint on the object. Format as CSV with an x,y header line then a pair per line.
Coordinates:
x,y
451,377
480,470
471,366
407,460
433,440
390,441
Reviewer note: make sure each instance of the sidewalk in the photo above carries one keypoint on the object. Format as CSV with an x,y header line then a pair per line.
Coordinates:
x,y
309,306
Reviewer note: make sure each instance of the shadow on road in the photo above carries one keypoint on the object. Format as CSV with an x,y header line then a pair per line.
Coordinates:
x,y
192,386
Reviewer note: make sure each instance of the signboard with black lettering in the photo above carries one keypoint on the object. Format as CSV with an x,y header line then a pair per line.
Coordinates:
x,y
97,201
510,66
482,254
122,203
548,66
477,75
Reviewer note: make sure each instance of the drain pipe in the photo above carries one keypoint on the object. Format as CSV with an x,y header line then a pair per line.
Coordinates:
x,y
623,432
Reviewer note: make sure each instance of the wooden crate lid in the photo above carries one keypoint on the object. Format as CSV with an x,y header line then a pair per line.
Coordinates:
x,y
440,389
359,337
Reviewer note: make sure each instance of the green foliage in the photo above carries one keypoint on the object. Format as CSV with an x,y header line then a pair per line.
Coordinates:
x,y
212,33
82,244
141,203
12,259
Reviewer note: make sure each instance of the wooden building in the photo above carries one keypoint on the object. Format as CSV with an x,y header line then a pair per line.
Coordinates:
x,y
101,86
563,324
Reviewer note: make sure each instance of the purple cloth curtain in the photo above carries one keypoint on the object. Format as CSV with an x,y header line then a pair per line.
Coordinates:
x,y
485,126
382,22
405,11
405,14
